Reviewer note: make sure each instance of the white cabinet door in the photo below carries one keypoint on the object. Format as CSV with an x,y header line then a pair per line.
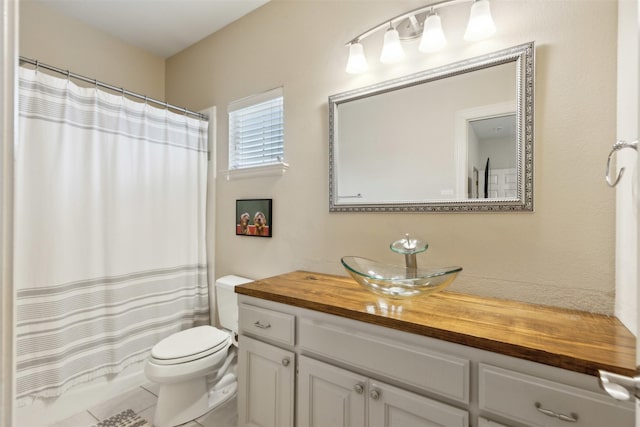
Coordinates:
x,y
393,407
483,422
329,396
333,397
265,384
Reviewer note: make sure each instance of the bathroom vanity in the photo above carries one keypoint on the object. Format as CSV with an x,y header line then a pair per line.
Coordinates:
x,y
319,350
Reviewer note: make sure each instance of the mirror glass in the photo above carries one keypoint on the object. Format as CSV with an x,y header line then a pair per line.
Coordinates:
x,y
456,138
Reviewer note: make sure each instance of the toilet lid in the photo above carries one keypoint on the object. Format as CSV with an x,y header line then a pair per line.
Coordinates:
x,y
190,342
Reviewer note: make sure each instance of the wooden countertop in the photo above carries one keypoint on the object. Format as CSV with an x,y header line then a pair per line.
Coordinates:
x,y
574,340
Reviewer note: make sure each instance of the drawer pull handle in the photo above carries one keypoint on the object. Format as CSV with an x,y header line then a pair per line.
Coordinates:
x,y
573,418
257,324
359,388
285,362
375,394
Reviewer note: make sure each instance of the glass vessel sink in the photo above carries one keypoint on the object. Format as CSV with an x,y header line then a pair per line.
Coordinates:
x,y
395,281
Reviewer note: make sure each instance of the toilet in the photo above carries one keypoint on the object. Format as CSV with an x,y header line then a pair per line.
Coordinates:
x,y
196,367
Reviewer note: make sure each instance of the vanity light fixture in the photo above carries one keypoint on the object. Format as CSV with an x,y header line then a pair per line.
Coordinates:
x,y
408,26
481,23
357,62
433,38
392,50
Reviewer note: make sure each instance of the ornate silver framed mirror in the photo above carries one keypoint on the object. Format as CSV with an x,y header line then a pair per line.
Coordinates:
x,y
457,138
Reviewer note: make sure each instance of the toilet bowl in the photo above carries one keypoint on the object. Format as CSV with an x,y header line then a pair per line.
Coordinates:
x,y
183,363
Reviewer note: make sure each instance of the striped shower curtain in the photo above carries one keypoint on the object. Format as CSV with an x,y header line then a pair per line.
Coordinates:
x,y
109,232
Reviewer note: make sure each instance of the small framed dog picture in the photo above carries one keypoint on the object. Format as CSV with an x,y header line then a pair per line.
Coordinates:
x,y
254,217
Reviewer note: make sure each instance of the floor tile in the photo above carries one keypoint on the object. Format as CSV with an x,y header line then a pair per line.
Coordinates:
x,y
225,415
137,399
153,388
83,419
147,414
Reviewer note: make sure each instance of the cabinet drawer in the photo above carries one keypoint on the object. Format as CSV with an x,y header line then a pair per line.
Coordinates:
x,y
268,324
432,371
539,402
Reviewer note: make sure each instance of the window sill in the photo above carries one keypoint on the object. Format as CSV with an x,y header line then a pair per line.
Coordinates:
x,y
277,169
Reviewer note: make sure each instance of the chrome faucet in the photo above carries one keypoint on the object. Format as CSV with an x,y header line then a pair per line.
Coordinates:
x,y
409,248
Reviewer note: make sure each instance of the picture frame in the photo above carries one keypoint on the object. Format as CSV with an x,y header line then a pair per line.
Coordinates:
x,y
254,217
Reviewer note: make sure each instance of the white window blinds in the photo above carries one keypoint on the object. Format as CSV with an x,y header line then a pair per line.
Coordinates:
x,y
256,130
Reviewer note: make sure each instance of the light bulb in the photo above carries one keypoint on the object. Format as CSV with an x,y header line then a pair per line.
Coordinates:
x,y
432,36
480,24
392,49
357,62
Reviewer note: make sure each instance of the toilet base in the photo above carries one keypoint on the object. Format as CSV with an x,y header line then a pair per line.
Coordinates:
x,y
181,402
224,391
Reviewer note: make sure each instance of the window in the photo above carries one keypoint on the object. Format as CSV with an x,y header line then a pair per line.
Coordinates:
x,y
256,131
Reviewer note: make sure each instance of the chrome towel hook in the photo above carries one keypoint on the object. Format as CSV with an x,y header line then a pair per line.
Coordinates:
x,y
619,145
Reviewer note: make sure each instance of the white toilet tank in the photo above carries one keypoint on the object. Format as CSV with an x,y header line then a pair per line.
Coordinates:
x,y
227,300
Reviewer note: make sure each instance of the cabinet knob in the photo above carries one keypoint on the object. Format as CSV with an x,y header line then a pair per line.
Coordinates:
x,y
359,388
285,361
375,394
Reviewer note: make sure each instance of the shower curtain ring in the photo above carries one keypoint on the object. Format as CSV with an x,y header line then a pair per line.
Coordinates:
x,y
37,65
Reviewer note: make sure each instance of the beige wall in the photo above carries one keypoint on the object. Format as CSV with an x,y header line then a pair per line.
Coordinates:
x,y
562,254
64,42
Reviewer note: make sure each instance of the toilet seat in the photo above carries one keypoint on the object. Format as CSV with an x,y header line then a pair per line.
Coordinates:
x,y
190,344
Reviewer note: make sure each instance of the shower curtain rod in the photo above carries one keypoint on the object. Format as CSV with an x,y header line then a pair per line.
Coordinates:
x,y
123,91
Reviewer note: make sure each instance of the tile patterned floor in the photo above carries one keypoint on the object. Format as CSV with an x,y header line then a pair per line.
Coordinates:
x,y
142,400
